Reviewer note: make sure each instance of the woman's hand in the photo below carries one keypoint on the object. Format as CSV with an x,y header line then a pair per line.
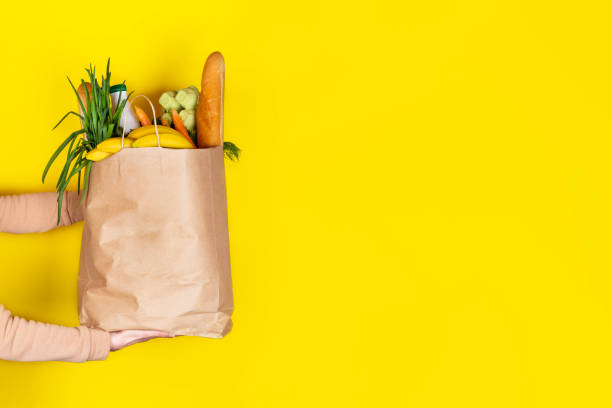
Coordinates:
x,y
124,338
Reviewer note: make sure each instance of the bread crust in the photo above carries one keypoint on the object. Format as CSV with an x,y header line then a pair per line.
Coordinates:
x,y
83,96
209,116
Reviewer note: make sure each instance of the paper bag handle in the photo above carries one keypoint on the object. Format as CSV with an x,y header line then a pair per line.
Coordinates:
x,y
154,119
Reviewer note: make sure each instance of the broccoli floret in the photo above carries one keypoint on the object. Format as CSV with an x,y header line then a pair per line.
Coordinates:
x,y
188,97
168,117
188,117
168,102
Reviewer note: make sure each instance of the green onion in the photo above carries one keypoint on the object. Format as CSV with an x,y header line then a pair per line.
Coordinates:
x,y
100,122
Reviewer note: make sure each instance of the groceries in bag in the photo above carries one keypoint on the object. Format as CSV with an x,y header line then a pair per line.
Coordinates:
x,y
148,262
105,113
118,94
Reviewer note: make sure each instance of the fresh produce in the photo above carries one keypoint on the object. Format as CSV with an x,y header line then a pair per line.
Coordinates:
x,y
178,123
167,116
188,118
231,151
150,129
142,116
83,99
188,97
165,140
99,122
183,101
168,101
113,145
97,155
209,116
82,96
201,114
195,116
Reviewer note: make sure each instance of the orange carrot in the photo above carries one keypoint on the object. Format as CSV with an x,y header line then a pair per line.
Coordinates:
x,y
164,122
178,125
142,116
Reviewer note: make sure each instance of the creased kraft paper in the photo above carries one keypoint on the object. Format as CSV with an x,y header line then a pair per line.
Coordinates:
x,y
155,247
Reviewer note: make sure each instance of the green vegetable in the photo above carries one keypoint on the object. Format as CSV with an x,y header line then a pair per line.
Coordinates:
x,y
188,98
188,117
168,102
231,151
185,101
168,117
100,122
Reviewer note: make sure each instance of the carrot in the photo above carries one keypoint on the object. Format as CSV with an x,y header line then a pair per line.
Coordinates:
x,y
178,125
142,116
164,122
83,97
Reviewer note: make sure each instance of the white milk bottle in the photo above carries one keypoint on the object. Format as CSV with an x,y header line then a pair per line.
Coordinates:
x,y
128,121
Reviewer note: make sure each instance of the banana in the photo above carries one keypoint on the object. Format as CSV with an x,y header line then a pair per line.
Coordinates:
x,y
150,129
166,140
97,155
113,144
168,137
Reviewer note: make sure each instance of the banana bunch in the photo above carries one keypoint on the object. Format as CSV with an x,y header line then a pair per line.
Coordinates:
x,y
141,137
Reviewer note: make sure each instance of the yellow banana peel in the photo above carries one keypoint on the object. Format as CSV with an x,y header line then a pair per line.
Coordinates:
x,y
166,140
97,155
113,144
150,129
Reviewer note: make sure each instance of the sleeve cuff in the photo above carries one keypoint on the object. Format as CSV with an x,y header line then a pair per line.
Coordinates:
x,y
100,344
72,211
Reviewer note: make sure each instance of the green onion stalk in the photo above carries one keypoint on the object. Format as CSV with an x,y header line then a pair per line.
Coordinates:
x,y
100,122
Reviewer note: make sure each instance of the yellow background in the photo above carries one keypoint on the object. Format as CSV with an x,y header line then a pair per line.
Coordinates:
x,y
422,215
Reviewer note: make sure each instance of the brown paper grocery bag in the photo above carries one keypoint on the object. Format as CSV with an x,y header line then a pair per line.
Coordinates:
x,y
155,250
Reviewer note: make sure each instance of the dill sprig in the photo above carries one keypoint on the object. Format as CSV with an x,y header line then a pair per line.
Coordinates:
x,y
231,151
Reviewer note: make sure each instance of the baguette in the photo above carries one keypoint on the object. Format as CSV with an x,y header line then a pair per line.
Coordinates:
x,y
83,97
209,116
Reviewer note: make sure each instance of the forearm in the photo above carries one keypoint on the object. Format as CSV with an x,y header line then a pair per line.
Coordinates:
x,y
24,340
37,212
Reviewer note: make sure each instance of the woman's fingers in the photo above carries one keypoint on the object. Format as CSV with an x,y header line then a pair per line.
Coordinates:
x,y
148,333
124,338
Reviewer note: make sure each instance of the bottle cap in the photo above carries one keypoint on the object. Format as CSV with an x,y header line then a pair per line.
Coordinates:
x,y
118,88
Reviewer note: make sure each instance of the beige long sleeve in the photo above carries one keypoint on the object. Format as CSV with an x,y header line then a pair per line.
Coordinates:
x,y
37,212
24,340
